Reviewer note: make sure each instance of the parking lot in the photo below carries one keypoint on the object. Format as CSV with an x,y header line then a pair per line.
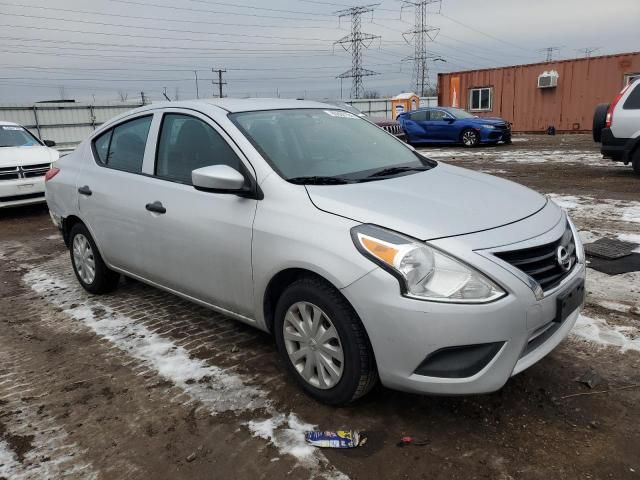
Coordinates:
x,y
141,384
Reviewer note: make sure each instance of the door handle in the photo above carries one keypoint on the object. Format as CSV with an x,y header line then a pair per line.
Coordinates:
x,y
85,191
156,207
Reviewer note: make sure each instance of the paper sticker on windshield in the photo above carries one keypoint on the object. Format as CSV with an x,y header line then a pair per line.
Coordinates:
x,y
10,127
340,113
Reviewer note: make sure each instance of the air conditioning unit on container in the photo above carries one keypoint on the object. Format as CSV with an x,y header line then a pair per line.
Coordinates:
x,y
548,79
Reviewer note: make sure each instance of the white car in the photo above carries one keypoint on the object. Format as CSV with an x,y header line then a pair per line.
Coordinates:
x,y
24,161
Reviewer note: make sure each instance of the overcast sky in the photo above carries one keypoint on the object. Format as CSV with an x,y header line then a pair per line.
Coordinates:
x,y
105,49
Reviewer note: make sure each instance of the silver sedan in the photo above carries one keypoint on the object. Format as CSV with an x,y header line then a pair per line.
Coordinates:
x,y
366,261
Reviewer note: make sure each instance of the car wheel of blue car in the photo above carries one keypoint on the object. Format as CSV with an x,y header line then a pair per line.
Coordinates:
x,y
470,138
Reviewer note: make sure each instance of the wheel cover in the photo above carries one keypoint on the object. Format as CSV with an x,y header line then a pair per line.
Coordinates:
x,y
313,345
469,137
83,259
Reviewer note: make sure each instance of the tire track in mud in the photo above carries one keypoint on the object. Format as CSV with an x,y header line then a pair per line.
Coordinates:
x,y
204,364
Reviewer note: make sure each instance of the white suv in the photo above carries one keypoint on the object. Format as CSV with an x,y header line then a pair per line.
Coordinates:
x,y
24,161
617,127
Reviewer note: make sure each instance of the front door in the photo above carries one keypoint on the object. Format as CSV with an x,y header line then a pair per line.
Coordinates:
x,y
439,126
199,243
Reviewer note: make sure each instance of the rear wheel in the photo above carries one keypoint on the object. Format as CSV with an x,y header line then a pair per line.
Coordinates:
x,y
323,343
90,269
470,138
599,119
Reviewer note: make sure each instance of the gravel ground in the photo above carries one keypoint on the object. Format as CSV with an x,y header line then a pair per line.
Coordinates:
x,y
140,384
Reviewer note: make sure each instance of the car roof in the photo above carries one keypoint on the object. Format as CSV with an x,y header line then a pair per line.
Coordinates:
x,y
235,105
2,122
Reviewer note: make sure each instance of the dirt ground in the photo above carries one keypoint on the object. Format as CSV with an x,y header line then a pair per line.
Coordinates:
x,y
140,384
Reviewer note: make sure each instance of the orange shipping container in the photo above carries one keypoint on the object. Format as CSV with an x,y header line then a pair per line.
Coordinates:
x,y
565,98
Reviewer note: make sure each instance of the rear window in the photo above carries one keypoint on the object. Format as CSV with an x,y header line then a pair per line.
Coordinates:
x,y
633,100
122,147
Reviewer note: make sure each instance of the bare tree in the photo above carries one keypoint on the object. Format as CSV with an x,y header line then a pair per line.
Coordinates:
x,y
62,92
123,95
176,94
371,94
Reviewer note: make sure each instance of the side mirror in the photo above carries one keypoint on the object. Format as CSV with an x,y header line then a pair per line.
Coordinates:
x,y
49,143
218,178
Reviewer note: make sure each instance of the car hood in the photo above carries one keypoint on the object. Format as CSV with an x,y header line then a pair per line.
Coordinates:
x,y
487,121
14,156
441,202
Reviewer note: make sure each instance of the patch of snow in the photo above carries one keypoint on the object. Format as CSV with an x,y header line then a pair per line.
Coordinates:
x,y
565,201
632,238
519,139
53,237
603,289
9,464
217,389
598,331
632,213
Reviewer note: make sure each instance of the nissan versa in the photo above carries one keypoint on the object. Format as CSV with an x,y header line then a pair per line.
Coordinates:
x,y
365,259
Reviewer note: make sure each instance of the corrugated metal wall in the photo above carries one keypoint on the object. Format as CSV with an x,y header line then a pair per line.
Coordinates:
x,y
65,123
381,107
583,83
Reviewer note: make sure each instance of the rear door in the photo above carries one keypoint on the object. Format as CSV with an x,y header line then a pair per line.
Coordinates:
x,y
111,189
199,243
414,125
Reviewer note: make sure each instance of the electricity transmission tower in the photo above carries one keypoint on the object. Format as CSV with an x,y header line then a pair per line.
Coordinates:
x,y
588,51
420,35
356,42
549,51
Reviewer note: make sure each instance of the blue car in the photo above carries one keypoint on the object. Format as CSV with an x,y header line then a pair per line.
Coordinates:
x,y
453,125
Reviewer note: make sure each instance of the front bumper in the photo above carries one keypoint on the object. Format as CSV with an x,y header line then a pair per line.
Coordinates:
x,y
404,331
494,135
22,191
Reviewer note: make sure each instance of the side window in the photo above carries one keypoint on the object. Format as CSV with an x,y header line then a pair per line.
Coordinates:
x,y
633,100
419,116
438,115
101,145
122,147
187,143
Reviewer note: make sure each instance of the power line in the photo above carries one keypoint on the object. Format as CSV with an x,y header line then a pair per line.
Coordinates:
x,y
356,42
176,20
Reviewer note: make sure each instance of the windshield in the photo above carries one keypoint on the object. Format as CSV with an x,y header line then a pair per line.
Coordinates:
x,y
16,136
459,113
326,146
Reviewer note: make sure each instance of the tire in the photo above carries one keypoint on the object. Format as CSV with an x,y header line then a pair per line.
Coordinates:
x,y
358,370
636,161
103,279
470,138
599,119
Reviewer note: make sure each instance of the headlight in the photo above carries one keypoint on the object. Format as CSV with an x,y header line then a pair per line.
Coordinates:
x,y
423,271
488,127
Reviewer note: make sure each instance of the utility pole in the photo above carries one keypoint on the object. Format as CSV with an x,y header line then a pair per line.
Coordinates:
x,y
549,52
420,35
143,98
195,72
220,83
356,42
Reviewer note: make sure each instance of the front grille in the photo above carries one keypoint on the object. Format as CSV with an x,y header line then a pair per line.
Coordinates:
x,y
393,129
541,263
26,171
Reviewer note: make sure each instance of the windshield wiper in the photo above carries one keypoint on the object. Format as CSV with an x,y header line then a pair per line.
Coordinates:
x,y
319,180
385,172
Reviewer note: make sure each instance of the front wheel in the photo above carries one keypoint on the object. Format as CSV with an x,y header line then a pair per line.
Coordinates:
x,y
470,138
91,271
323,343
